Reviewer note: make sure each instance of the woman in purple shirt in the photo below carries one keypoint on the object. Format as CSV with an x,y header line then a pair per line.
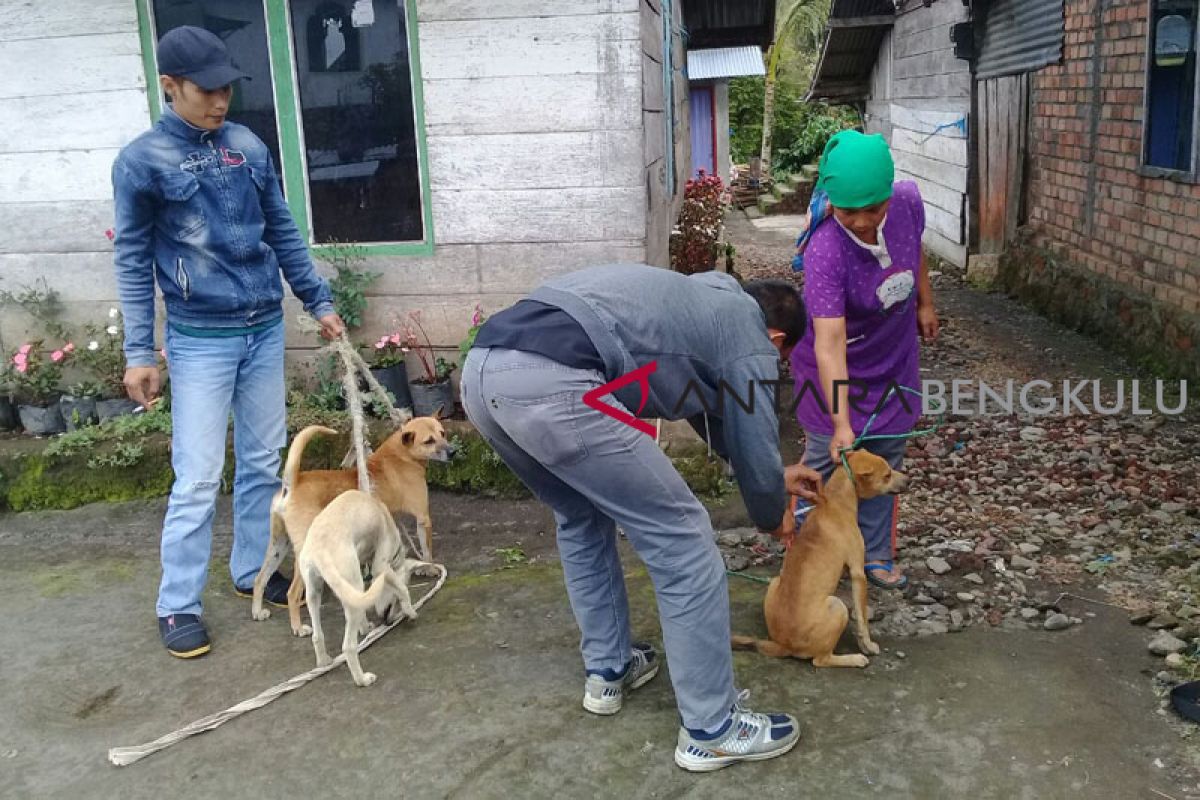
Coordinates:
x,y
868,296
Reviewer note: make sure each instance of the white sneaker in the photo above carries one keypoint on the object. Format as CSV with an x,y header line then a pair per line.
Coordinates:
x,y
750,737
606,697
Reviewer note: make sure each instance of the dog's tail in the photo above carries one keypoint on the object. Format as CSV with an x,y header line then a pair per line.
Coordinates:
x,y
291,469
361,601
743,642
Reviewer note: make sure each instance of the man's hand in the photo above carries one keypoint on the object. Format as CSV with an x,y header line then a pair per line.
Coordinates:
x,y
332,326
802,481
142,385
787,527
927,323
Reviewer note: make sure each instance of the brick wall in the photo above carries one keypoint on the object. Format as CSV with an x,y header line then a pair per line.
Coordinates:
x,y
1088,205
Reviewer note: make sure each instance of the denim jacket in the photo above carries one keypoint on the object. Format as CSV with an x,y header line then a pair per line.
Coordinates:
x,y
203,212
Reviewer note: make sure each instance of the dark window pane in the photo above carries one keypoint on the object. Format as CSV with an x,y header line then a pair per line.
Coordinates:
x,y
244,29
357,111
1172,75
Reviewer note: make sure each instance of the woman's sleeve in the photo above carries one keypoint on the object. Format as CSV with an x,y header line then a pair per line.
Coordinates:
x,y
824,280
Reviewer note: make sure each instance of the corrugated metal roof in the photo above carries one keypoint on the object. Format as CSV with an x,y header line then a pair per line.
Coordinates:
x,y
849,51
1020,36
724,62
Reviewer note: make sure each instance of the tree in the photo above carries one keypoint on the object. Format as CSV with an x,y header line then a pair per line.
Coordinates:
x,y
799,27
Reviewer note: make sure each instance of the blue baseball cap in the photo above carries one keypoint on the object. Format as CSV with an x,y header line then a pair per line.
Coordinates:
x,y
198,55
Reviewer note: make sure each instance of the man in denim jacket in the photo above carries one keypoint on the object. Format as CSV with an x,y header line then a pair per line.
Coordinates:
x,y
199,208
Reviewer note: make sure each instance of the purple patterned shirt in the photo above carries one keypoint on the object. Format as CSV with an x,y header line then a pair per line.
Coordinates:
x,y
843,279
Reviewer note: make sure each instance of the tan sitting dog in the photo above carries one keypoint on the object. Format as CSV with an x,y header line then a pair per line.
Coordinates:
x,y
397,471
804,617
354,529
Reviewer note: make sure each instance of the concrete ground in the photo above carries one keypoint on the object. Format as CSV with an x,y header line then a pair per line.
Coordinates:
x,y
479,698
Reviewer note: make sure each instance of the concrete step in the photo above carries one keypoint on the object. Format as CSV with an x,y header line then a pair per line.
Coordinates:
x,y
809,171
766,202
783,191
752,212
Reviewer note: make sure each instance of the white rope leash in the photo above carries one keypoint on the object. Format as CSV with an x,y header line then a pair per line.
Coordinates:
x,y
123,756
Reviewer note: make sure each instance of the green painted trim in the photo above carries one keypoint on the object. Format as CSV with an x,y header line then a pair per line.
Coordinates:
x,y
287,119
418,95
149,63
385,249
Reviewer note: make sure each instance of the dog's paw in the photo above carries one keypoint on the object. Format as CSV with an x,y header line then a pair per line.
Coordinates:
x,y
427,571
367,679
869,647
858,660
303,630
261,614
324,660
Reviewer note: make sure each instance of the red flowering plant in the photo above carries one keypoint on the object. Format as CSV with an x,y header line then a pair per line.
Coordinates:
x,y
694,241
36,375
437,369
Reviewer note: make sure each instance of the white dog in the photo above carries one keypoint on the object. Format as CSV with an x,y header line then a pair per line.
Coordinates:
x,y
355,529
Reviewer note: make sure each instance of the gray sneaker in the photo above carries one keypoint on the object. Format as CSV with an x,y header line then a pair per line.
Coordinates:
x,y
605,697
750,737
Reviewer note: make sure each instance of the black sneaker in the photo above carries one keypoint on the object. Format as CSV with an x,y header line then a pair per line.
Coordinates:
x,y
275,593
183,635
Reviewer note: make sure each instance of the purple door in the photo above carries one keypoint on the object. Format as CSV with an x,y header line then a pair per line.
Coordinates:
x,y
703,126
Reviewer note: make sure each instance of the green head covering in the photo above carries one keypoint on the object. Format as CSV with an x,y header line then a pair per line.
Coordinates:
x,y
856,170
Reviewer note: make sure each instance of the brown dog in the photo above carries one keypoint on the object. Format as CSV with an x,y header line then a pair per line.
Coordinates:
x,y
804,617
397,473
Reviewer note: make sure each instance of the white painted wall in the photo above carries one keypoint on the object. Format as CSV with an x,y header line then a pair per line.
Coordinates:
x,y
537,140
917,85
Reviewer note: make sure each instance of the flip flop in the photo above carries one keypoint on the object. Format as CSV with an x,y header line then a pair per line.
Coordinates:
x,y
884,566
1186,699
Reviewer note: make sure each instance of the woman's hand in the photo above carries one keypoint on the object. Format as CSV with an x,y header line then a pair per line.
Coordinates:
x,y
843,439
927,322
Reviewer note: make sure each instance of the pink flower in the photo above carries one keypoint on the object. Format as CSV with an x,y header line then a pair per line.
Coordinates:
x,y
20,359
69,347
163,353
22,367
394,338
57,356
25,348
382,343
111,234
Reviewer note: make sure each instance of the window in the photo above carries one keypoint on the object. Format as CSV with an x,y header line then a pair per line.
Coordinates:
x,y
332,94
1170,140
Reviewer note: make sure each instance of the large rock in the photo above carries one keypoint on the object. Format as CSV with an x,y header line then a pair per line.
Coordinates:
x,y
1164,644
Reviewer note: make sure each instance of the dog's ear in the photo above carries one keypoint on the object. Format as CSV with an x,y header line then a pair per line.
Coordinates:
x,y
407,438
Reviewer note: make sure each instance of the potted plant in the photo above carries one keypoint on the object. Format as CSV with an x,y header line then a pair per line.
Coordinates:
x,y
432,392
37,376
8,412
477,319
387,365
78,405
104,356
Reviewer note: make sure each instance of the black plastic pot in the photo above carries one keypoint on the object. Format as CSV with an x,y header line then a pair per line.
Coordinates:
x,y
8,414
78,412
41,420
430,398
395,380
107,409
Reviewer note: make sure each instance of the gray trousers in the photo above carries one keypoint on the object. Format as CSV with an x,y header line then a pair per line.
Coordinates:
x,y
595,472
877,516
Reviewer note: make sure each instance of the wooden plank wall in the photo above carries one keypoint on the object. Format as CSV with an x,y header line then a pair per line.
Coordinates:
x,y
534,117
1003,146
918,85
73,93
662,206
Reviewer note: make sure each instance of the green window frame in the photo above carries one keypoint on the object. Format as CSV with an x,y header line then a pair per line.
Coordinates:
x,y
287,113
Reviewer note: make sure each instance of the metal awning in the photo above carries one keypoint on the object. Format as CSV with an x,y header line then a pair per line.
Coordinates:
x,y
725,62
852,39
728,23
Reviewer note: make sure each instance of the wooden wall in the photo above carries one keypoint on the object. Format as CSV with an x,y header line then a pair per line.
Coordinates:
x,y
663,129
918,85
535,133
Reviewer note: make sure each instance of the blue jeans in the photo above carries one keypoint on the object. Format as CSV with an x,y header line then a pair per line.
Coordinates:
x,y
595,472
876,516
209,378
